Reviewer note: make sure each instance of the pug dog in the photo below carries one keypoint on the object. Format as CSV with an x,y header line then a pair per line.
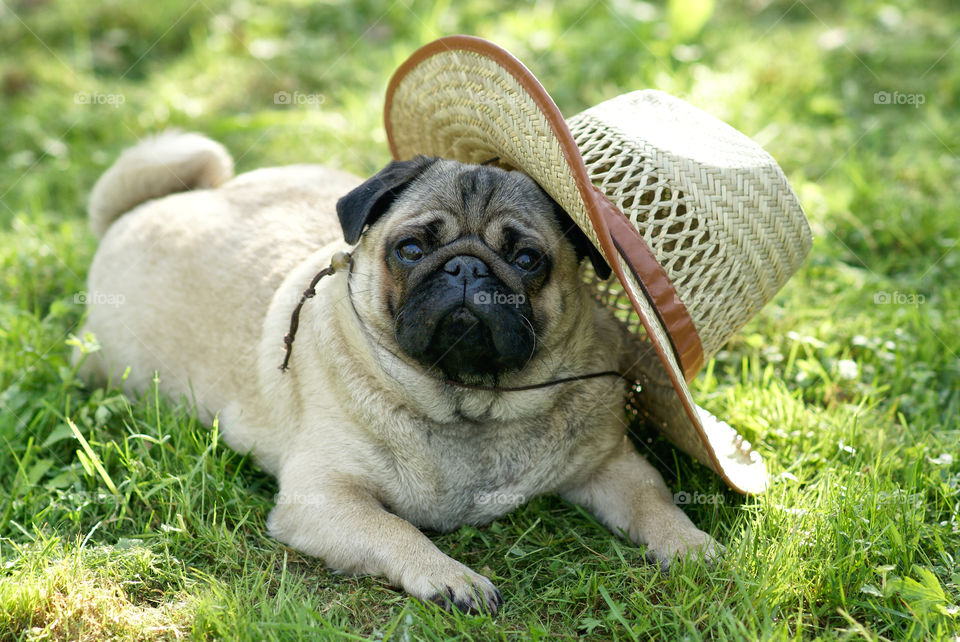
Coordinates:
x,y
430,382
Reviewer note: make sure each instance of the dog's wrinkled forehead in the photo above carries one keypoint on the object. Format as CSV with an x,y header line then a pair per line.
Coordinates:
x,y
463,200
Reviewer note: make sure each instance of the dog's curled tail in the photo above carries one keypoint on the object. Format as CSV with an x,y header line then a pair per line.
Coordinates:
x,y
170,162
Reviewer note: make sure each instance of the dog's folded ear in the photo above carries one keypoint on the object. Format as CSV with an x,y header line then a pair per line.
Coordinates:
x,y
368,202
583,245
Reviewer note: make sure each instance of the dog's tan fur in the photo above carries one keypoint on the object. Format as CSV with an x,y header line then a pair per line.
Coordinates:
x,y
366,446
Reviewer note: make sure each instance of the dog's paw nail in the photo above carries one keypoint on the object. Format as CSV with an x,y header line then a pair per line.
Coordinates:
x,y
443,599
474,598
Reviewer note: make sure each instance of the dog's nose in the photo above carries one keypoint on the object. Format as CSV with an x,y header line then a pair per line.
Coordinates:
x,y
467,268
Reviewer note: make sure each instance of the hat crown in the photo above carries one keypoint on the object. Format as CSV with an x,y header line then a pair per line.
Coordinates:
x,y
713,206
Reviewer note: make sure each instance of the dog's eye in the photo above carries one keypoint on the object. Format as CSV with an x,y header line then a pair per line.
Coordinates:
x,y
410,250
527,260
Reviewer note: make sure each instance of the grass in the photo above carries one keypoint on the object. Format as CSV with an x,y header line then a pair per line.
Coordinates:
x,y
126,518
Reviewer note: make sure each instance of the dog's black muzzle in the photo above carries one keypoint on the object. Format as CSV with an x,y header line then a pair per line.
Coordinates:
x,y
461,317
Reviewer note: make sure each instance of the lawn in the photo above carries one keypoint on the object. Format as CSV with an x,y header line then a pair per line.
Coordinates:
x,y
126,518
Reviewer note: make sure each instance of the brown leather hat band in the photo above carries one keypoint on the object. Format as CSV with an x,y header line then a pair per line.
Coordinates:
x,y
657,286
616,234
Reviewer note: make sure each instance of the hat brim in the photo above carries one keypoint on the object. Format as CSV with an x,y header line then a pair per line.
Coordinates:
x,y
467,99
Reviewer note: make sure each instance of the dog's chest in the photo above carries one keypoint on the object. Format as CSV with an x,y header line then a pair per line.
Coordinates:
x,y
473,473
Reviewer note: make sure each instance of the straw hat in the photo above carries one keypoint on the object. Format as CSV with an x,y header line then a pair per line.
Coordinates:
x,y
697,222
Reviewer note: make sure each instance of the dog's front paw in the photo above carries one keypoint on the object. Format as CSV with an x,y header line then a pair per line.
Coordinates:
x,y
682,541
450,584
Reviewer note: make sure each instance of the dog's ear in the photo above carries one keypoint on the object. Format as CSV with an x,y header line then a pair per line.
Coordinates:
x,y
583,245
367,203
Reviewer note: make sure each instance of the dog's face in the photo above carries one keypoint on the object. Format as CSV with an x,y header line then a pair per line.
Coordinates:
x,y
467,266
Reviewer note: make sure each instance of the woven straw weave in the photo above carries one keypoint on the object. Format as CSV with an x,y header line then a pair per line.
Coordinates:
x,y
712,205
